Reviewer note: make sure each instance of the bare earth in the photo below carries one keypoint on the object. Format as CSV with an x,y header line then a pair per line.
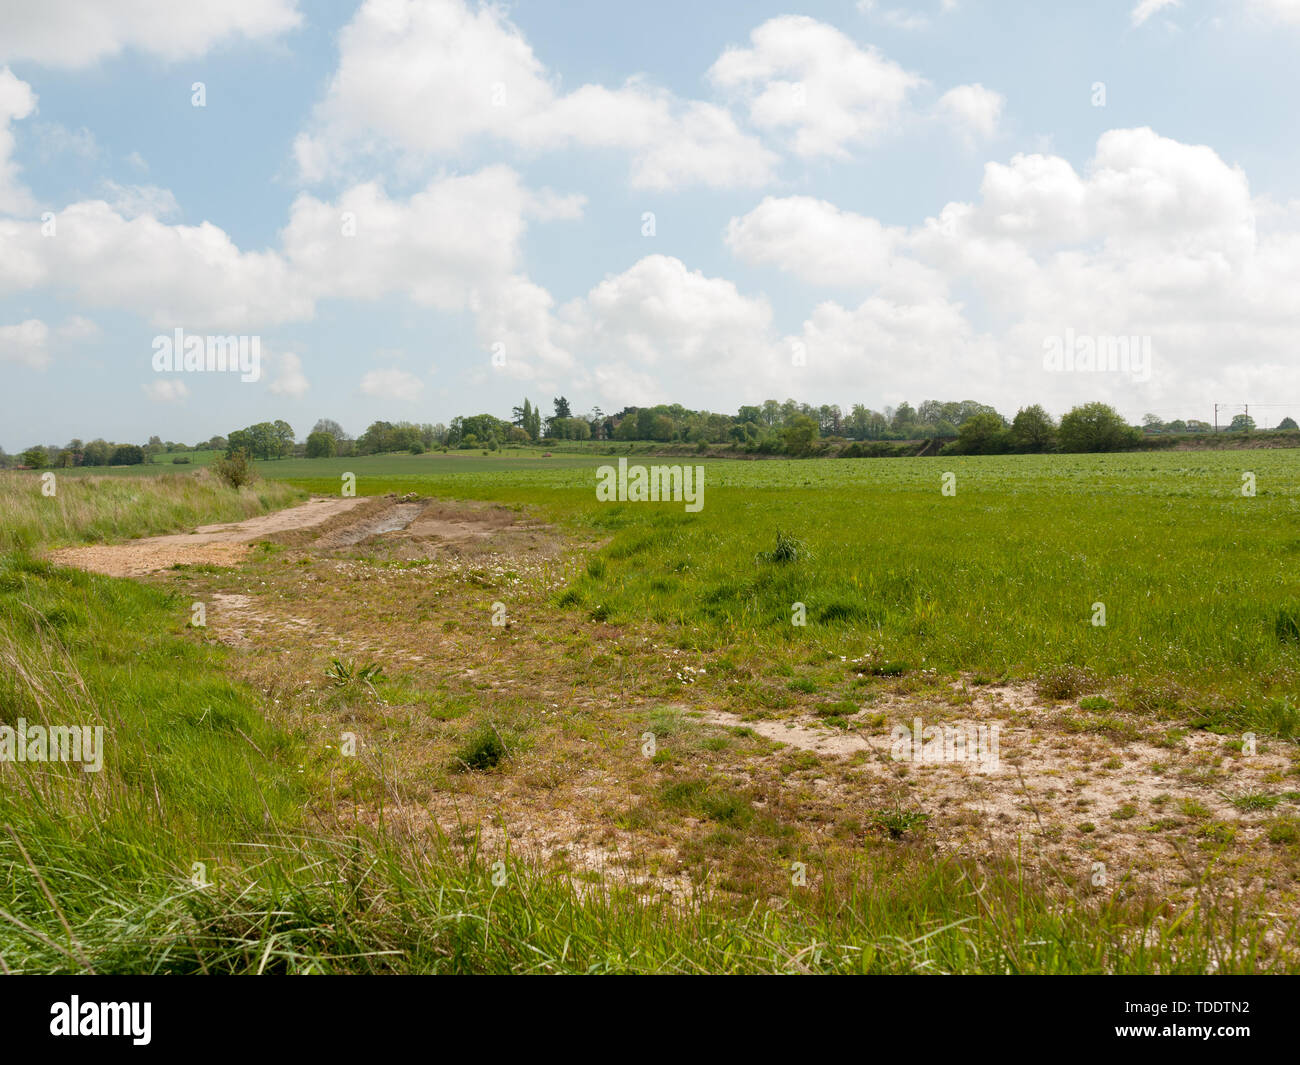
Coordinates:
x,y
218,545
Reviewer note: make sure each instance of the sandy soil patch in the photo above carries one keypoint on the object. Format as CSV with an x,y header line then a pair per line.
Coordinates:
x,y
220,545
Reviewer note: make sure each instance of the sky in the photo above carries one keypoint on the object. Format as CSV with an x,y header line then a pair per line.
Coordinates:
x,y
424,208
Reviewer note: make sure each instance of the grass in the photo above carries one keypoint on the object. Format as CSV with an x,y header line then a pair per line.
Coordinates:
x,y
103,872
92,509
208,782
1199,584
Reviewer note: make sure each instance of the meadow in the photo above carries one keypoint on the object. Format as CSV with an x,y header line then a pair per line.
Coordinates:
x,y
223,835
1199,583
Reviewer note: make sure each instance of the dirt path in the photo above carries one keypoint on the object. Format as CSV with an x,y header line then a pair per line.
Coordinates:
x,y
221,545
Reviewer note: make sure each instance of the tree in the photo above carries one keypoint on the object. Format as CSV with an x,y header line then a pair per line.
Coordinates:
x,y
35,457
983,434
1242,423
1033,429
904,418
562,408
329,425
321,445
1096,427
281,437
800,434
127,455
1287,423
1152,423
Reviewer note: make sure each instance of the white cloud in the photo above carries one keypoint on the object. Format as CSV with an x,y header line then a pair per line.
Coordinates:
x,y
453,246
25,343
194,276
289,379
901,18
131,201
1155,239
806,79
422,79
54,139
78,33
439,246
392,384
1146,8
166,390
973,109
817,242
17,101
658,327
78,327
1286,12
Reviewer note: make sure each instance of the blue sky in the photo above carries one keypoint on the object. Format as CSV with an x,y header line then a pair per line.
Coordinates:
x,y
853,202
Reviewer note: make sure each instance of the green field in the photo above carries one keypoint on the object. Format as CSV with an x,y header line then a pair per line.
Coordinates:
x,y
223,766
1201,584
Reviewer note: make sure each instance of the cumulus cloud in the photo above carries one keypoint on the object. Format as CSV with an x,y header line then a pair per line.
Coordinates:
x,y
823,245
454,245
392,384
438,246
289,380
77,33
166,390
17,101
78,327
1146,8
421,79
25,343
131,201
905,18
810,82
1155,239
1285,12
973,109
172,275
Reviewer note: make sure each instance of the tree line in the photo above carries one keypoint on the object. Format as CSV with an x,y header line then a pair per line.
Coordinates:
x,y
789,428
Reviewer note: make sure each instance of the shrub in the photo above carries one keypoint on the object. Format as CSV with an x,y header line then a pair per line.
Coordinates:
x,y
236,469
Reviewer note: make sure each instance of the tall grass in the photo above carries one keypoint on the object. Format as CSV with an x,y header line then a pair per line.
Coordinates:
x,y
94,509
